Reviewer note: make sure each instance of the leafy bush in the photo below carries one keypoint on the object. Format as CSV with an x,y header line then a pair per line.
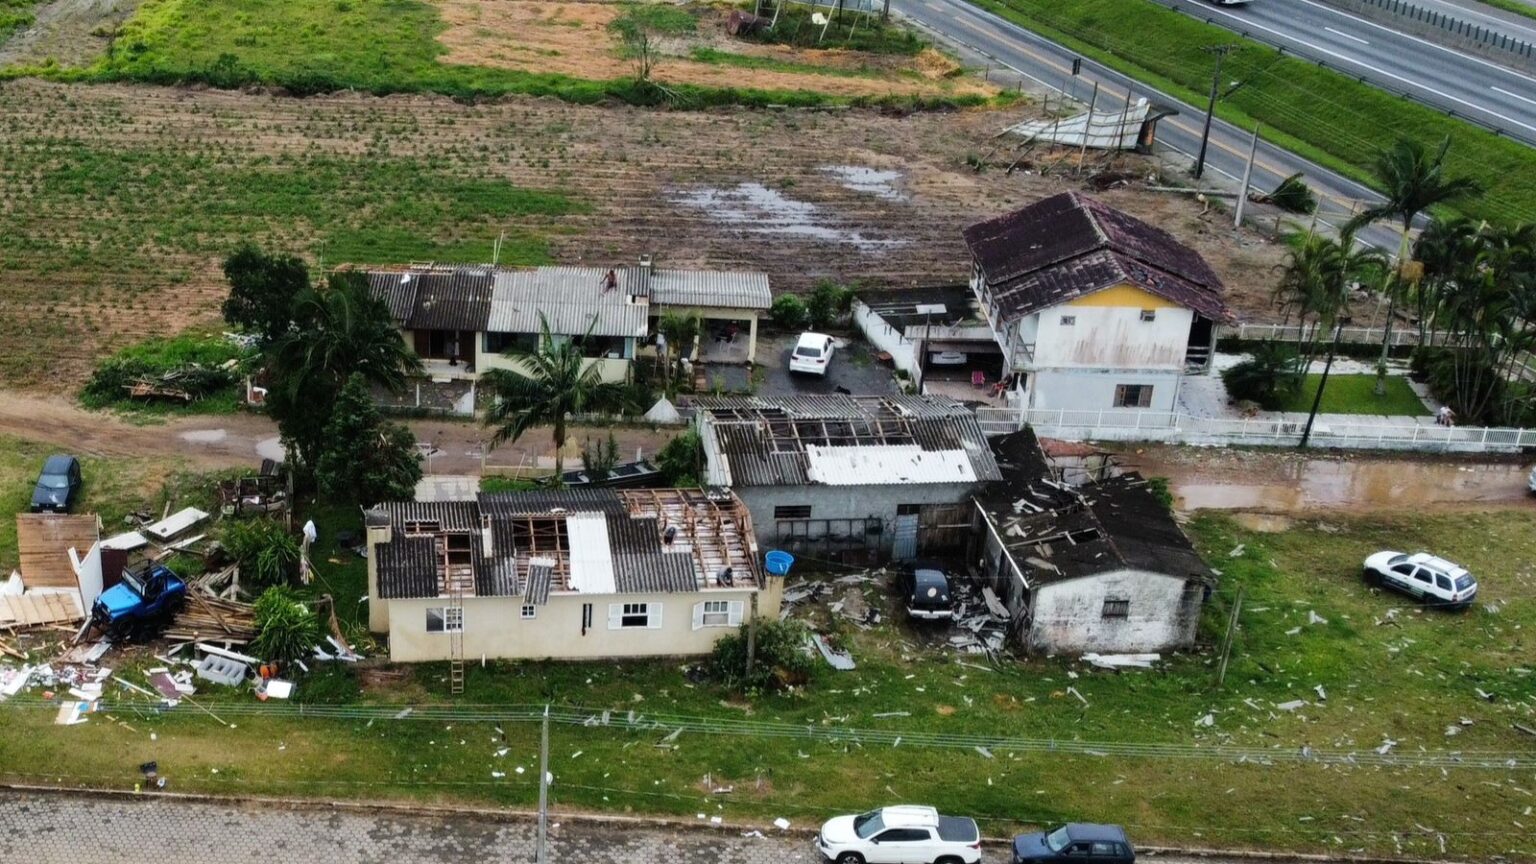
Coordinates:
x,y
789,312
268,555
827,304
1269,378
286,629
680,461
197,360
781,660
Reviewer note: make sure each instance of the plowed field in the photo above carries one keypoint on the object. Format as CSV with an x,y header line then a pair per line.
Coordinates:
x,y
117,203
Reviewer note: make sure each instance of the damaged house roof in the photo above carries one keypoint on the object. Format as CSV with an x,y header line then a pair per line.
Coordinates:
x,y
592,541
1056,532
1069,245
941,306
838,440
436,298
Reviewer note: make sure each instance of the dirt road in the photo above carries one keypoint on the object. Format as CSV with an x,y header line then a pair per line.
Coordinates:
x,y
242,440
1287,482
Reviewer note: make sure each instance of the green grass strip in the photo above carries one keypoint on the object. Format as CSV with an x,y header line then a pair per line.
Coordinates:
x,y
1317,113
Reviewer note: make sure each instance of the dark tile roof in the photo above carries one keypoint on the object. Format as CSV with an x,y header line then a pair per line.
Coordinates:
x,y
1058,532
539,502
761,441
437,298
1069,245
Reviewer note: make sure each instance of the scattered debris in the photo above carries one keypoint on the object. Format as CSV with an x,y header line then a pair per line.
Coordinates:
x,y
836,658
1121,661
175,524
1293,705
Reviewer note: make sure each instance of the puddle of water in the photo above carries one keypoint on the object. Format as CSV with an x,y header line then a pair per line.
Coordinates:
x,y
1297,486
204,436
271,448
756,209
881,184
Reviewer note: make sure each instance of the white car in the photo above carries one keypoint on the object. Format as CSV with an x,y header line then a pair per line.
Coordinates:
x,y
1530,482
1435,581
900,835
948,358
812,354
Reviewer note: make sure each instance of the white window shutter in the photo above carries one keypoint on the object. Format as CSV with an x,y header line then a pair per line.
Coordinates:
x,y
653,619
615,615
734,616
698,615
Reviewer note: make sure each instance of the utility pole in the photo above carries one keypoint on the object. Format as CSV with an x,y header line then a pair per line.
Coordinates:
x,y
541,852
1317,400
752,637
1242,193
1221,52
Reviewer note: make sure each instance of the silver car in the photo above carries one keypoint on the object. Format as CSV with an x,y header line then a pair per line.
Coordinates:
x,y
1435,581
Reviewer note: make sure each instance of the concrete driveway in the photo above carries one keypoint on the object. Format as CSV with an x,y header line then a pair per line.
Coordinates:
x,y
853,368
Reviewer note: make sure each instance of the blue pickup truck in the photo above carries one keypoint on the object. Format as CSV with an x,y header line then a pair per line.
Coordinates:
x,y
141,605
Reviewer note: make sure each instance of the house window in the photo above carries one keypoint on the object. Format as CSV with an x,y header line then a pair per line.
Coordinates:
x,y
530,612
909,509
634,616
1069,320
792,511
498,343
1133,395
715,613
441,619
1116,608
1149,314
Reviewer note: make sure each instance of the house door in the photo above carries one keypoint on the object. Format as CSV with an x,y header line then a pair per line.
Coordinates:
x,y
943,527
904,546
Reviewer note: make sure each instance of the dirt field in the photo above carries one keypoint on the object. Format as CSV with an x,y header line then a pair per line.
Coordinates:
x,y
119,201
574,39
66,32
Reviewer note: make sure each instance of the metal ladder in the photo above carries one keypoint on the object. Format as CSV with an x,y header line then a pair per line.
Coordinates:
x,y
456,643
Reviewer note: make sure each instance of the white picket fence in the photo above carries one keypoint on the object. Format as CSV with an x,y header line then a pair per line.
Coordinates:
x,y
1180,428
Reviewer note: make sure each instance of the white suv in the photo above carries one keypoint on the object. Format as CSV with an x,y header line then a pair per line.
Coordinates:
x,y
900,835
1435,581
812,354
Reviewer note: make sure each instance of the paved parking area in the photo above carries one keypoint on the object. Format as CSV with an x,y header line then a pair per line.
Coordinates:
x,y
70,829
854,368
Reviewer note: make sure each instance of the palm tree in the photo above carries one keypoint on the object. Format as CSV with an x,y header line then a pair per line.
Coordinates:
x,y
1318,278
551,382
341,330
1413,180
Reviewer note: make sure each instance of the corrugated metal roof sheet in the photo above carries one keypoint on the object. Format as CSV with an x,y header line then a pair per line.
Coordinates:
x,y
396,290
734,289
1068,245
539,502
539,572
758,441
436,298
407,567
886,465
591,554
569,298
450,515
642,564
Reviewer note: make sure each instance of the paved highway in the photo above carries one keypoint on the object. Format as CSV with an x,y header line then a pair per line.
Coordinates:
x,y
1492,18
1469,86
1047,65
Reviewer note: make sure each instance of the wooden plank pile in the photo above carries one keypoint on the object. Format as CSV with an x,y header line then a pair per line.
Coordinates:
x,y
212,614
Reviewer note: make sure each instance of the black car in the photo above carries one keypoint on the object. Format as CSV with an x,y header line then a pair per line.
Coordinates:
x,y
926,589
1075,841
57,486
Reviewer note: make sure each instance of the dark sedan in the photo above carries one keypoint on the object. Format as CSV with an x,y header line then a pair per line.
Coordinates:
x,y
926,589
58,485
1075,841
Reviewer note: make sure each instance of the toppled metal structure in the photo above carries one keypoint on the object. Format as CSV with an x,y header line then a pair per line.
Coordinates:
x,y
1127,128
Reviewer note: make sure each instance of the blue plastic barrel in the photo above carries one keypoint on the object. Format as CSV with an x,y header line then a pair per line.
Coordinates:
x,y
777,562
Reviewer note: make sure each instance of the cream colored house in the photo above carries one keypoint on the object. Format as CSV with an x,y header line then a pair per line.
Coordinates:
x,y
564,574
460,320
1094,310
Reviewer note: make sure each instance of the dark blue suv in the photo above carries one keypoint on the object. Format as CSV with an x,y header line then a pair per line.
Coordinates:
x,y
1075,841
57,486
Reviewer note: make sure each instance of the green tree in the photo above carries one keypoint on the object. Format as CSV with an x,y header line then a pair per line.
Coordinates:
x,y
366,459
1412,178
342,330
267,554
548,384
788,312
262,291
681,330
827,304
1317,280
286,629
680,461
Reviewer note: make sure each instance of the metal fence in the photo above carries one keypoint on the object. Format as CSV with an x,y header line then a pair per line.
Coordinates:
x,y
1177,427
1351,335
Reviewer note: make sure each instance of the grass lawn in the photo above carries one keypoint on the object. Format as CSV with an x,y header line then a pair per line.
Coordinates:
x,y
1318,113
14,15
1514,6
111,487
1390,672
1356,394
392,46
